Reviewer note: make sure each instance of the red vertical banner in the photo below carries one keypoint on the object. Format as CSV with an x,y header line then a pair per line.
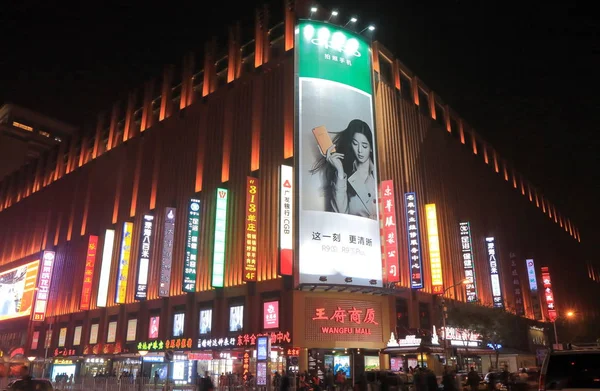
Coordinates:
x,y
389,232
548,294
88,274
251,224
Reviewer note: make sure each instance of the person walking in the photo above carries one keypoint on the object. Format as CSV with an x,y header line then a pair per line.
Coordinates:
x,y
473,379
448,380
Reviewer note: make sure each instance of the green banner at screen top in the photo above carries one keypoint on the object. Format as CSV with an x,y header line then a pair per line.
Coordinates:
x,y
325,51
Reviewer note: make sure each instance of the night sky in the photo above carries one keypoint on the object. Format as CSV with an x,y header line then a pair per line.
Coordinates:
x,y
524,74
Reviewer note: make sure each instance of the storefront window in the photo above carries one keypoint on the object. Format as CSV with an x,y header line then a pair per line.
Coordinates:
x,y
424,316
371,363
401,313
236,318
205,321
178,324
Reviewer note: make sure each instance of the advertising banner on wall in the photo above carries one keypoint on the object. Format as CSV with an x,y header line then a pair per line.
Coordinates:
x,y
414,241
286,222
533,288
218,269
88,273
466,246
490,245
190,266
107,250
43,287
435,257
389,232
516,283
339,239
166,259
145,248
548,294
123,271
251,228
17,287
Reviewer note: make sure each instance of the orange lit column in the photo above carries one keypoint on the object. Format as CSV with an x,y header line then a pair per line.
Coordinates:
x,y
210,76
147,115
234,60
166,105
98,136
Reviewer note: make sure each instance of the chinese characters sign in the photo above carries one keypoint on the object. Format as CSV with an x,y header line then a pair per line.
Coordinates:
x,y
535,299
271,315
552,315
468,261
389,232
158,345
167,253
88,274
490,244
44,281
244,340
519,306
141,290
190,265
218,271
343,320
435,258
334,101
124,263
109,241
246,365
414,245
286,239
251,227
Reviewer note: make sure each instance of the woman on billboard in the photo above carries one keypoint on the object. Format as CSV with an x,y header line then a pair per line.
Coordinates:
x,y
349,168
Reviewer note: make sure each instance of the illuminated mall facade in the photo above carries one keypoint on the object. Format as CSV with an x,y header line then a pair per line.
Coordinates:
x,y
210,209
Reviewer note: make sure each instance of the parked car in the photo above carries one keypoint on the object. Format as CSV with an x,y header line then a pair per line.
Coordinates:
x,y
38,385
576,368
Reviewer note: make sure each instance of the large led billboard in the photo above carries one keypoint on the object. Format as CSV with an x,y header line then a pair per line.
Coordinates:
x,y
17,287
43,287
145,248
123,271
490,244
190,268
466,246
339,239
218,272
109,241
435,254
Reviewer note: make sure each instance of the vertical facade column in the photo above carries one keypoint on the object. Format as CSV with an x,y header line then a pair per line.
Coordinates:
x,y
147,115
187,81
289,23
375,60
72,154
415,89
128,129
461,131
98,136
432,110
266,40
209,67
447,118
112,131
259,38
234,57
83,150
60,167
396,70
166,105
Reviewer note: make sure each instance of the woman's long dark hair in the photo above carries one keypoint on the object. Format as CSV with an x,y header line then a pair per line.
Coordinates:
x,y
343,145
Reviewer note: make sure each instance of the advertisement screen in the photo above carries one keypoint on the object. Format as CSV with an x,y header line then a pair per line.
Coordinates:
x,y
396,364
153,328
371,363
205,321
131,330
16,290
339,238
236,318
178,322
271,315
341,363
77,335
161,369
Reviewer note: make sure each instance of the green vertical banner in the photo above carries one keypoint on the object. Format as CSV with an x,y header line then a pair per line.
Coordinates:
x,y
190,267
218,269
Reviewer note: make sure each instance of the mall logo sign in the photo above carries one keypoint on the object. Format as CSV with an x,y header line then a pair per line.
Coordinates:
x,y
336,41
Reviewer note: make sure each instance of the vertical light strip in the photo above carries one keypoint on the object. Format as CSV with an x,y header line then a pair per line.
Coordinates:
x,y
218,269
468,261
167,252
490,243
257,117
107,252
124,260
43,286
118,187
155,173
286,221
136,178
88,274
250,242
145,253
86,206
414,241
435,257
190,267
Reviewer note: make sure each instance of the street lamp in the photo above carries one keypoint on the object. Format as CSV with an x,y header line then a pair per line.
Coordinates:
x,y
31,360
369,27
444,314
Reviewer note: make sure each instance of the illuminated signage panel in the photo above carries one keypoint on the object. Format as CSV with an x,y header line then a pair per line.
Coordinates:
x,y
251,226
109,241
43,288
535,299
389,232
190,267
131,330
516,283
77,335
145,248
218,272
414,241
286,222
124,260
548,294
18,283
167,252
490,245
88,274
271,315
435,258
339,238
466,246
111,336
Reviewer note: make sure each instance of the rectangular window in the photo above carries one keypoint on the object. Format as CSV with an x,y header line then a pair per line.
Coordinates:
x,y
386,72
236,318
131,330
111,336
271,314
62,337
178,324
77,335
205,321
440,115
401,313
153,327
405,87
424,316
94,334
424,103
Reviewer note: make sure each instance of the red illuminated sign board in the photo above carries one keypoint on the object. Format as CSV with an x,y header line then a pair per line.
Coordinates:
x,y
35,340
251,227
88,274
246,365
552,314
271,315
293,352
44,281
389,232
